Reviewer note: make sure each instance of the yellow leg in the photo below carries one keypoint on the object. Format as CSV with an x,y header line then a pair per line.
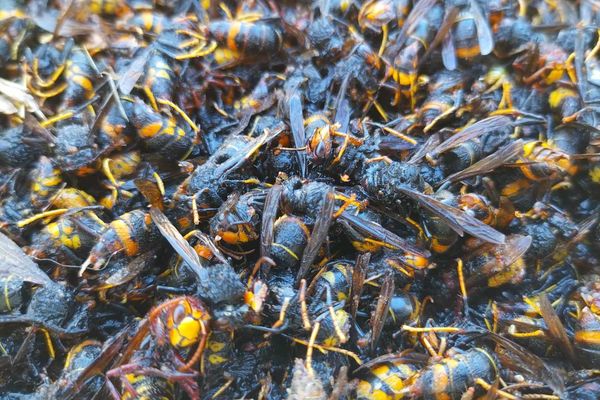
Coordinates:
x,y
195,35
200,51
461,281
249,17
303,307
159,183
385,159
309,350
108,173
57,118
226,11
180,112
347,202
594,51
427,344
442,349
223,388
380,110
499,392
447,329
325,349
400,135
280,321
46,214
384,39
151,97
49,93
46,83
506,101
570,68
336,326
48,340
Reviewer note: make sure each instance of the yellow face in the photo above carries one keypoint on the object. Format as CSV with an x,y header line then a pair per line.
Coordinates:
x,y
186,325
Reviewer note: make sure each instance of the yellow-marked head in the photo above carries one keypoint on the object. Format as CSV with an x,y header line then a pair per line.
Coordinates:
x,y
187,322
186,332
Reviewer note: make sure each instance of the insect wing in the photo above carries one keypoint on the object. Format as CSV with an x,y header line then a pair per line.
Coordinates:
x,y
246,152
181,246
416,14
380,233
318,234
268,219
102,363
431,143
489,163
342,106
484,32
151,191
294,103
358,280
381,309
444,36
459,221
449,53
518,358
133,269
471,132
14,262
134,71
556,327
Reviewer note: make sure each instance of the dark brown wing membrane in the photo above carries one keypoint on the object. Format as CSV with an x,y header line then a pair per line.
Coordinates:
x,y
130,76
444,35
579,62
358,280
506,255
484,32
416,14
123,275
68,28
383,235
489,163
459,221
431,143
318,234
583,228
268,219
556,327
208,242
99,366
381,309
233,163
150,189
14,262
471,132
515,247
293,102
515,357
449,53
342,106
181,246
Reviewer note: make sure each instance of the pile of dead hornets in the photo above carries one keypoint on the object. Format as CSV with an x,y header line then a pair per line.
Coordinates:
x,y
261,199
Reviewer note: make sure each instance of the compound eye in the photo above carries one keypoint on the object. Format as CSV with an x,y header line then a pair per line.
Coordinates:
x,y
178,314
